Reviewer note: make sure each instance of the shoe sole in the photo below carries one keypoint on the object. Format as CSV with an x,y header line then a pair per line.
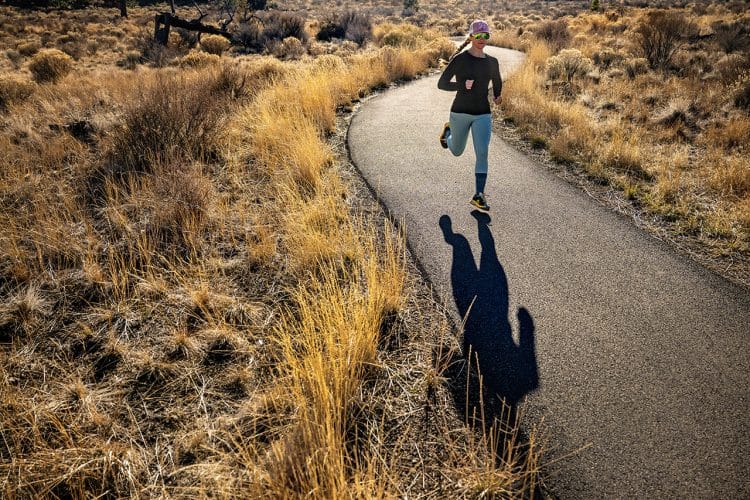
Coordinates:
x,y
441,137
484,208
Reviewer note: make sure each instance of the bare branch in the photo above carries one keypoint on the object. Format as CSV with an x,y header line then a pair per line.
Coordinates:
x,y
202,14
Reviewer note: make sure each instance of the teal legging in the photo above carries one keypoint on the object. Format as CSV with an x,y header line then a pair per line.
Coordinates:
x,y
481,131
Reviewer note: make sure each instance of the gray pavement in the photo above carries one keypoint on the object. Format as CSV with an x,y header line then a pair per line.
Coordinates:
x,y
620,345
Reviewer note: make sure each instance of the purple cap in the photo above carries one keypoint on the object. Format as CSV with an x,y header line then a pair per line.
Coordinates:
x,y
479,26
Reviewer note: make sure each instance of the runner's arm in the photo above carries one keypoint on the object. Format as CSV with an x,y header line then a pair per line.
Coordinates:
x,y
497,81
445,82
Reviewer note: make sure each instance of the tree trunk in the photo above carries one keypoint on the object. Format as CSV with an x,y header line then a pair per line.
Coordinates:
x,y
123,8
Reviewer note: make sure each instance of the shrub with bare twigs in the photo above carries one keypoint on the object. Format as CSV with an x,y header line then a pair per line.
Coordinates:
x,y
555,33
661,34
350,25
732,37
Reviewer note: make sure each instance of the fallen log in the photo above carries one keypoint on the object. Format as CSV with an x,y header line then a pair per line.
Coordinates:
x,y
165,21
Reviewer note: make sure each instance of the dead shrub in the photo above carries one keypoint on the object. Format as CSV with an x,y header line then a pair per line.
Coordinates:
x,y
607,58
231,82
173,116
130,59
555,33
215,44
350,25
14,57
680,118
280,25
50,65
697,63
155,53
13,90
76,50
250,35
732,37
661,34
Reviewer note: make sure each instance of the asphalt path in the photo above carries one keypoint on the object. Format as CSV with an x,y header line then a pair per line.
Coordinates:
x,y
629,353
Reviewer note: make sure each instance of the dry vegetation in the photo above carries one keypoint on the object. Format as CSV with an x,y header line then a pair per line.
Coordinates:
x,y
653,102
192,300
191,303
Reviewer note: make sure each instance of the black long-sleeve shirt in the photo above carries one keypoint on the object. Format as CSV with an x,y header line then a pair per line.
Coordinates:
x,y
482,70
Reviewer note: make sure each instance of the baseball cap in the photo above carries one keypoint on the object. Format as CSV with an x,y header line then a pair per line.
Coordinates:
x,y
479,26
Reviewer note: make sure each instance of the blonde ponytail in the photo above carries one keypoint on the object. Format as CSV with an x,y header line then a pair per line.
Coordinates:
x,y
460,48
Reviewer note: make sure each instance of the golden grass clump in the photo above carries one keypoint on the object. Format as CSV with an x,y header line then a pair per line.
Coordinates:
x,y
567,64
405,35
215,44
198,59
508,38
328,347
289,48
28,49
50,65
285,143
168,206
13,90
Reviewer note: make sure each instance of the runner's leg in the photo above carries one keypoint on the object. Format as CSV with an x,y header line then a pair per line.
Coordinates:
x,y
459,132
481,132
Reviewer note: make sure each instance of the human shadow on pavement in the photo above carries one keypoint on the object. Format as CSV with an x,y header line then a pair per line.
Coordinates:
x,y
495,373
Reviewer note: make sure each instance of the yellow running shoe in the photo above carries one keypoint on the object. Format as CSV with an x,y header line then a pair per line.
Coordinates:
x,y
479,202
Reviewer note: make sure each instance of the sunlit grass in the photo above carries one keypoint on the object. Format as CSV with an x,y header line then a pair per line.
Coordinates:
x,y
195,305
672,140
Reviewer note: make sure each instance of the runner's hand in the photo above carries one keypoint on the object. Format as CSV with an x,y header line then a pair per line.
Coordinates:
x,y
498,100
469,84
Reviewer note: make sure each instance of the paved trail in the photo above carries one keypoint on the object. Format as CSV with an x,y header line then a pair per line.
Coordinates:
x,y
612,338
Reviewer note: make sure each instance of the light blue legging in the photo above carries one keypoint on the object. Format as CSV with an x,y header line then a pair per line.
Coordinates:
x,y
481,131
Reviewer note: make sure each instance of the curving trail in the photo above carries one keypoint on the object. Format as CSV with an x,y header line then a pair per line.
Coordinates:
x,y
588,322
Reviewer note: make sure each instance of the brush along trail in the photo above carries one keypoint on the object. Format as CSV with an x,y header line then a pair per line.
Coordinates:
x,y
634,357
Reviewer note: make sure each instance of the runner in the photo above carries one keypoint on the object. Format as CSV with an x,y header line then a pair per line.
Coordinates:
x,y
473,71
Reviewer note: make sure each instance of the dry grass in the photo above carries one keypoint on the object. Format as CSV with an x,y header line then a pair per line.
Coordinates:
x,y
671,139
190,304
50,65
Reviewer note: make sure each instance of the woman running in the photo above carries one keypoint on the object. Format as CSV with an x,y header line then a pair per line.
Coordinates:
x,y
473,71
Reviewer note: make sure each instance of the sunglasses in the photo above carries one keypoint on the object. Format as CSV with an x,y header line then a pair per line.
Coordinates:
x,y
481,36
